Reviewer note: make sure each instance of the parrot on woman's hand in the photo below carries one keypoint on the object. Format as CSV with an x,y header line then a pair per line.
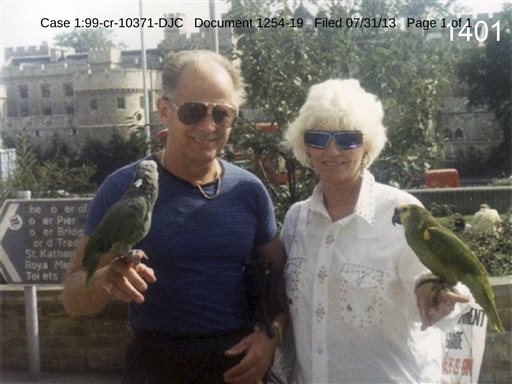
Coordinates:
x,y
447,256
126,222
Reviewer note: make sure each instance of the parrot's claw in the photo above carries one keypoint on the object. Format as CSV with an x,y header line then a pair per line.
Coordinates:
x,y
440,289
134,256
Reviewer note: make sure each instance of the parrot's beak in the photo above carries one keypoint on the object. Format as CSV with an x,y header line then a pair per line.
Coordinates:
x,y
396,217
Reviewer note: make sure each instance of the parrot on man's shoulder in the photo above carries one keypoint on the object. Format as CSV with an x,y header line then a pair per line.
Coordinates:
x,y
126,222
447,256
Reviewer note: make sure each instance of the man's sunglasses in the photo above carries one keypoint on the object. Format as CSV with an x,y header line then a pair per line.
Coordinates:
x,y
192,112
343,139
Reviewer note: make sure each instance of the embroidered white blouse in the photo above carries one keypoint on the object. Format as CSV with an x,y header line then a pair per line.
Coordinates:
x,y
350,287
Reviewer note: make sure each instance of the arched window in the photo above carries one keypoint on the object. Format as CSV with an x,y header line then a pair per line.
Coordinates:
x,y
458,135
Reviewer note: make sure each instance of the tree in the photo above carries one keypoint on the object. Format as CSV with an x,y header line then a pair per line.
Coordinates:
x,y
118,151
487,72
85,39
407,71
46,171
44,177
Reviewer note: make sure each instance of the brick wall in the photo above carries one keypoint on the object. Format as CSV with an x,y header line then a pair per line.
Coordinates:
x,y
68,345
97,344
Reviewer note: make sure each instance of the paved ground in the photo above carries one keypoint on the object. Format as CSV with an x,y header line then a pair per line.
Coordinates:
x,y
57,378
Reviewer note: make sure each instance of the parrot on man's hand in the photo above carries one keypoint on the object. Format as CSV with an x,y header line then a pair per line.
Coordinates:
x,y
447,256
126,222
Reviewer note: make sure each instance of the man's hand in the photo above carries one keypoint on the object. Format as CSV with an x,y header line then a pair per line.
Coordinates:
x,y
258,349
127,281
435,302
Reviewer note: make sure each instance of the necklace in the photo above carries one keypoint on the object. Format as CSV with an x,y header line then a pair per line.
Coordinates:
x,y
216,187
217,179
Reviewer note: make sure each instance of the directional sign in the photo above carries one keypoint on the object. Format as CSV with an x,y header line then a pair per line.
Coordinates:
x,y
38,238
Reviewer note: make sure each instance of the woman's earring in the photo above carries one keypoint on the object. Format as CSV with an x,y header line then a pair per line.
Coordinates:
x,y
365,162
308,160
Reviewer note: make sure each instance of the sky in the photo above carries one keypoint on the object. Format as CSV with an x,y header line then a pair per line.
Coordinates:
x,y
20,20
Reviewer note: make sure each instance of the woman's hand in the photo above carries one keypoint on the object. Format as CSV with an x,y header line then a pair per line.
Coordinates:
x,y
435,302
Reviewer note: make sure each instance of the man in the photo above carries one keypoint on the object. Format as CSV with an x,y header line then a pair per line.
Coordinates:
x,y
486,220
188,300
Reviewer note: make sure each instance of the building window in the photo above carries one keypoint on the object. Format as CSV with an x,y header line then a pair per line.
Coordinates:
x,y
150,101
458,135
23,90
47,110
24,111
45,90
121,103
70,110
68,89
94,104
12,112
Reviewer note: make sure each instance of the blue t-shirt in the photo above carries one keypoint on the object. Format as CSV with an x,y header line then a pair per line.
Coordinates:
x,y
197,247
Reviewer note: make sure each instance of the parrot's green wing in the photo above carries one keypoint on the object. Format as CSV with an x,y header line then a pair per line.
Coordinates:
x,y
458,263
446,256
124,224
452,254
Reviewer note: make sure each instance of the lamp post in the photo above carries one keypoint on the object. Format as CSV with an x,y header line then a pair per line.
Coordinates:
x,y
147,130
215,30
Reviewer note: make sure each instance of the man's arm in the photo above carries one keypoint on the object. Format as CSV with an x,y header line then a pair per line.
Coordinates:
x,y
114,279
274,253
258,347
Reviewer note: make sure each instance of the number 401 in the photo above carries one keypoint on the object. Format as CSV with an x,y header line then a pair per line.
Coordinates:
x,y
481,31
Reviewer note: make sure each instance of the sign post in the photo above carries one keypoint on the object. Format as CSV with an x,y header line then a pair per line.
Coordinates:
x,y
37,240
32,324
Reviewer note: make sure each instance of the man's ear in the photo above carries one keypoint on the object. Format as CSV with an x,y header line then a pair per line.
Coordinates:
x,y
164,109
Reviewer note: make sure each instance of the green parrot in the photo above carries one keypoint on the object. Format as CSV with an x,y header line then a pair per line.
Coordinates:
x,y
126,222
447,256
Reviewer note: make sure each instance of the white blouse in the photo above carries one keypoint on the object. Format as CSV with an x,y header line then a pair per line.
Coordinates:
x,y
350,288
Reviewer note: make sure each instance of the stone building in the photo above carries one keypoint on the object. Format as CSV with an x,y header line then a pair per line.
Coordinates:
x,y
7,156
53,90
469,131
204,38
467,128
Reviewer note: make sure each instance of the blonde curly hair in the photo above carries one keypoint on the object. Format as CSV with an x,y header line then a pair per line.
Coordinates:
x,y
339,105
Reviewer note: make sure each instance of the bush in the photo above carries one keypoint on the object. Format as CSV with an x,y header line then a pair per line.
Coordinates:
x,y
494,250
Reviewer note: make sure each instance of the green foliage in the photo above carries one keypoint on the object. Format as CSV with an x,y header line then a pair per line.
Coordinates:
x,y
44,176
473,163
487,72
49,170
118,151
440,210
494,250
405,70
261,148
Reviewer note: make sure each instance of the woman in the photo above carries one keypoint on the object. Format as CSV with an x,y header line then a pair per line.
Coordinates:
x,y
350,274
